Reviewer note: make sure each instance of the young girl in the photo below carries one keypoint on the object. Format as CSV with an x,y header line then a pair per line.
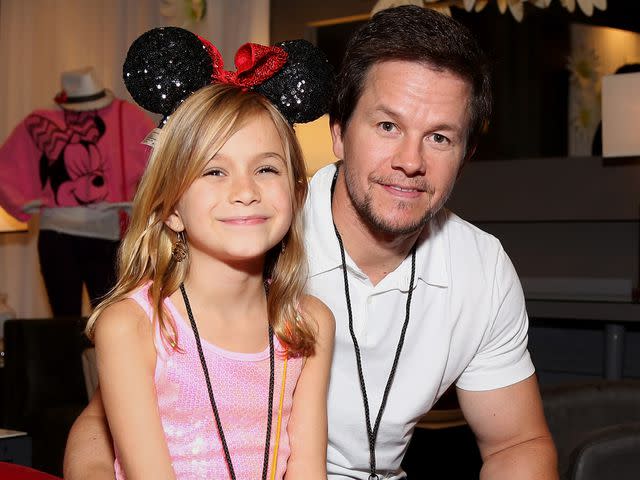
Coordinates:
x,y
212,363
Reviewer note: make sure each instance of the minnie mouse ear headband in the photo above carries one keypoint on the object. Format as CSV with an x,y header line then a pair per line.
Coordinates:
x,y
166,65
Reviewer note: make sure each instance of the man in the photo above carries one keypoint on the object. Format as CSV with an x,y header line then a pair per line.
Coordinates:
x,y
422,299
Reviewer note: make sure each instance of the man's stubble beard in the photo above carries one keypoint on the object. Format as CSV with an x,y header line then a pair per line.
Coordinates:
x,y
364,209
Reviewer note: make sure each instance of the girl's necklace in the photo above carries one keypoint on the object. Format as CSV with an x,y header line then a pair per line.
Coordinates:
x,y
203,362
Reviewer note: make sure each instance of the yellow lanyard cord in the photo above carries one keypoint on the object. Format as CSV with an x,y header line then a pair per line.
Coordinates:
x,y
274,463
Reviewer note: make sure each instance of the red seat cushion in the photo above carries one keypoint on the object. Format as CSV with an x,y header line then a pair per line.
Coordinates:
x,y
11,471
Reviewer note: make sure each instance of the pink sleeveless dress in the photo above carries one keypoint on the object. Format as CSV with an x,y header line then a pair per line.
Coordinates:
x,y
240,383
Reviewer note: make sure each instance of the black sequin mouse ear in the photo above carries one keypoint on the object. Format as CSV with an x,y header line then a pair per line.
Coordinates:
x,y
302,89
164,66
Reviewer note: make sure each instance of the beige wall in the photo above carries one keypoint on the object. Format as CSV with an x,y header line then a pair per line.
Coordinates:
x,y
603,50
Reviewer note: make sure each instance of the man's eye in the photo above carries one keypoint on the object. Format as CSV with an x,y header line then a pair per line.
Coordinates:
x,y
387,126
437,138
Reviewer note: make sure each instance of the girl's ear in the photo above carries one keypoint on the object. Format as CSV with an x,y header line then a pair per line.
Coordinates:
x,y
174,222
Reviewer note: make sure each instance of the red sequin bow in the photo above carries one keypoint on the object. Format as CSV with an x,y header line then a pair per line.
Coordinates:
x,y
254,64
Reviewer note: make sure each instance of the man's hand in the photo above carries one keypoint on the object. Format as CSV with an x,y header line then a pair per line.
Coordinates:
x,y
89,452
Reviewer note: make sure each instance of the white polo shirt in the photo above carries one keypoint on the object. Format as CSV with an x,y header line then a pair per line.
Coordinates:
x,y
468,326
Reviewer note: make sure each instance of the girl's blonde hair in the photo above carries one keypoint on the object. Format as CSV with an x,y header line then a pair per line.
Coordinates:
x,y
193,134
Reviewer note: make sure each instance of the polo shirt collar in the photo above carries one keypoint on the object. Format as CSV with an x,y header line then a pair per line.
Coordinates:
x,y
323,250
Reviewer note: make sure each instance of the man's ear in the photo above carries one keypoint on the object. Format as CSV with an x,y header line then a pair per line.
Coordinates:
x,y
174,222
336,137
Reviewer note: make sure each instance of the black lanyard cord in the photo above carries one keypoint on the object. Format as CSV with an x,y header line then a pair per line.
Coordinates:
x,y
225,448
372,434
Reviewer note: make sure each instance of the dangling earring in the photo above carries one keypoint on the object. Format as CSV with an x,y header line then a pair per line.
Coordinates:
x,y
179,250
283,247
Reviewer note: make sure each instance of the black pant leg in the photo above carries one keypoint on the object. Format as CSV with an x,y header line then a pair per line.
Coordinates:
x,y
98,260
60,272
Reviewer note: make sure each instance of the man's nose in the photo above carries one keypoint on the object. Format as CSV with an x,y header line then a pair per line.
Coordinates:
x,y
409,157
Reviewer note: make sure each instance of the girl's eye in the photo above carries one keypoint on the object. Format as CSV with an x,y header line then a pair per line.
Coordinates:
x,y
387,126
214,172
268,169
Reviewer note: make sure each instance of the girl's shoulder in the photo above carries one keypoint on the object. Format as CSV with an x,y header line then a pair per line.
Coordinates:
x,y
315,309
123,331
124,318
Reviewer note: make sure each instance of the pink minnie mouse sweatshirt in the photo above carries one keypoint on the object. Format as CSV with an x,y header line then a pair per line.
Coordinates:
x,y
65,158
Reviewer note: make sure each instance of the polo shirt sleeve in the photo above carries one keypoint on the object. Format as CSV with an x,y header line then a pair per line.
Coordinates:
x,y
502,358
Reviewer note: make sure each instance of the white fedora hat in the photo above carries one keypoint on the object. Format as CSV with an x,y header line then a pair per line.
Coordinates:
x,y
82,90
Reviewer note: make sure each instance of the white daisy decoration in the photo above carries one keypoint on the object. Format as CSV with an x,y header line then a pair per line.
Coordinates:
x,y
183,13
515,7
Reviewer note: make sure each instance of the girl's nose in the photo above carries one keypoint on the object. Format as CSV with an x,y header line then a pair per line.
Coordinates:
x,y
244,190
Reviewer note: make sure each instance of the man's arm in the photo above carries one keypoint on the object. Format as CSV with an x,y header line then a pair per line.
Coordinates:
x,y
511,431
89,452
